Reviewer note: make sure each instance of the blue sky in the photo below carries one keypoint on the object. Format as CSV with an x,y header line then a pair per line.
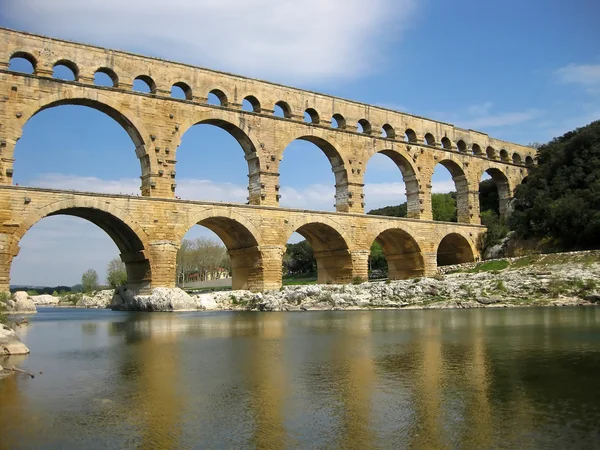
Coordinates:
x,y
522,71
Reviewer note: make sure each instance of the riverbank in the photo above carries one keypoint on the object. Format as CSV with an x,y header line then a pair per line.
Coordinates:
x,y
566,279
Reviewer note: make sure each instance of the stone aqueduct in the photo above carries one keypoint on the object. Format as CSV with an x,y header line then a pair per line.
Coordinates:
x,y
148,230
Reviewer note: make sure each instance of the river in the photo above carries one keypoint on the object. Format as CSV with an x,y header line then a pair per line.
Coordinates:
x,y
485,378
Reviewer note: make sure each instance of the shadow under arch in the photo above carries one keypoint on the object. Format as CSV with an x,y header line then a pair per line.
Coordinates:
x,y
461,185
402,253
95,100
127,235
409,176
330,248
226,121
453,249
337,167
242,240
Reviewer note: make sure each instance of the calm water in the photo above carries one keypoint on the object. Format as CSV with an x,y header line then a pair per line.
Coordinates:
x,y
527,378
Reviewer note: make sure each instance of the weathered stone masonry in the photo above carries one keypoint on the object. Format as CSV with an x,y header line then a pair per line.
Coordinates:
x,y
148,230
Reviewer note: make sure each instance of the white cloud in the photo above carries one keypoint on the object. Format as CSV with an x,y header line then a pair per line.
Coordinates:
x,y
480,110
305,40
501,119
586,75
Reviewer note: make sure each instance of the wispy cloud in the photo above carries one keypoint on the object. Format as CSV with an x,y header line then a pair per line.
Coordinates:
x,y
586,75
501,119
267,38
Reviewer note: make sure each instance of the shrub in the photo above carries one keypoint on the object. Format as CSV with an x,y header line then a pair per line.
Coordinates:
x,y
358,280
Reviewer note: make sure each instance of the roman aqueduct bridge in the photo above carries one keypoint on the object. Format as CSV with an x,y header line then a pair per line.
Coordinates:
x,y
148,229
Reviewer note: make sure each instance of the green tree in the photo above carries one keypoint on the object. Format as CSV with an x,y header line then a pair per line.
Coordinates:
x,y
377,259
116,273
560,202
443,207
299,258
89,280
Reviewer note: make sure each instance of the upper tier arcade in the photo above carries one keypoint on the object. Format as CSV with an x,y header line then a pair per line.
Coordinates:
x,y
348,132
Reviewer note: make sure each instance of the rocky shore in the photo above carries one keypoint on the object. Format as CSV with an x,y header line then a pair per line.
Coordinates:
x,y
552,280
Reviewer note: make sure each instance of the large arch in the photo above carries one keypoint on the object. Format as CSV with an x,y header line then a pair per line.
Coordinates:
x,y
461,186
409,176
242,133
502,185
338,167
242,240
96,100
127,235
402,252
330,248
454,248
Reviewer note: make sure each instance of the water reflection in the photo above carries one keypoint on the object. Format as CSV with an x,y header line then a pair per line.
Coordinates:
x,y
402,379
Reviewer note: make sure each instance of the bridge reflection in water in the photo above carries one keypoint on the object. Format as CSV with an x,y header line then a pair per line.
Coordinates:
x,y
422,379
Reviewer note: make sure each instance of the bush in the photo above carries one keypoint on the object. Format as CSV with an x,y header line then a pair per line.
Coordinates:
x,y
358,280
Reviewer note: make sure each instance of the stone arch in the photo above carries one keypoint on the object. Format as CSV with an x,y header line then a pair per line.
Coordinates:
x,y
131,240
388,131
490,152
100,102
313,116
516,159
27,57
185,88
330,246
227,120
364,126
221,96
529,161
69,65
461,146
446,143
285,108
461,185
340,120
242,240
402,252
454,248
254,103
338,167
504,155
111,74
411,135
502,185
409,175
148,81
429,139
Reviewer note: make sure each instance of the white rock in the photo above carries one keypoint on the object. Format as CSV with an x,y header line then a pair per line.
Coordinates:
x,y
100,299
161,299
10,344
20,304
45,299
207,302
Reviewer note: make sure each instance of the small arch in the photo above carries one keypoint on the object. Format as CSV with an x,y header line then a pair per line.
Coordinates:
x,y
65,70
22,62
251,103
402,253
528,161
454,249
429,139
217,97
331,251
364,126
338,121
144,84
516,158
504,155
388,131
476,150
411,136
181,91
490,152
446,143
282,109
106,77
461,146
496,200
311,116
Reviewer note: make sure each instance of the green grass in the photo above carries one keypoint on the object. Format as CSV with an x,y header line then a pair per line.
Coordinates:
x,y
299,281
490,266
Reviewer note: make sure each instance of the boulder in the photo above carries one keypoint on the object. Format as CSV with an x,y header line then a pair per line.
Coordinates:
x,y
593,297
161,299
20,304
45,299
207,302
10,344
100,299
